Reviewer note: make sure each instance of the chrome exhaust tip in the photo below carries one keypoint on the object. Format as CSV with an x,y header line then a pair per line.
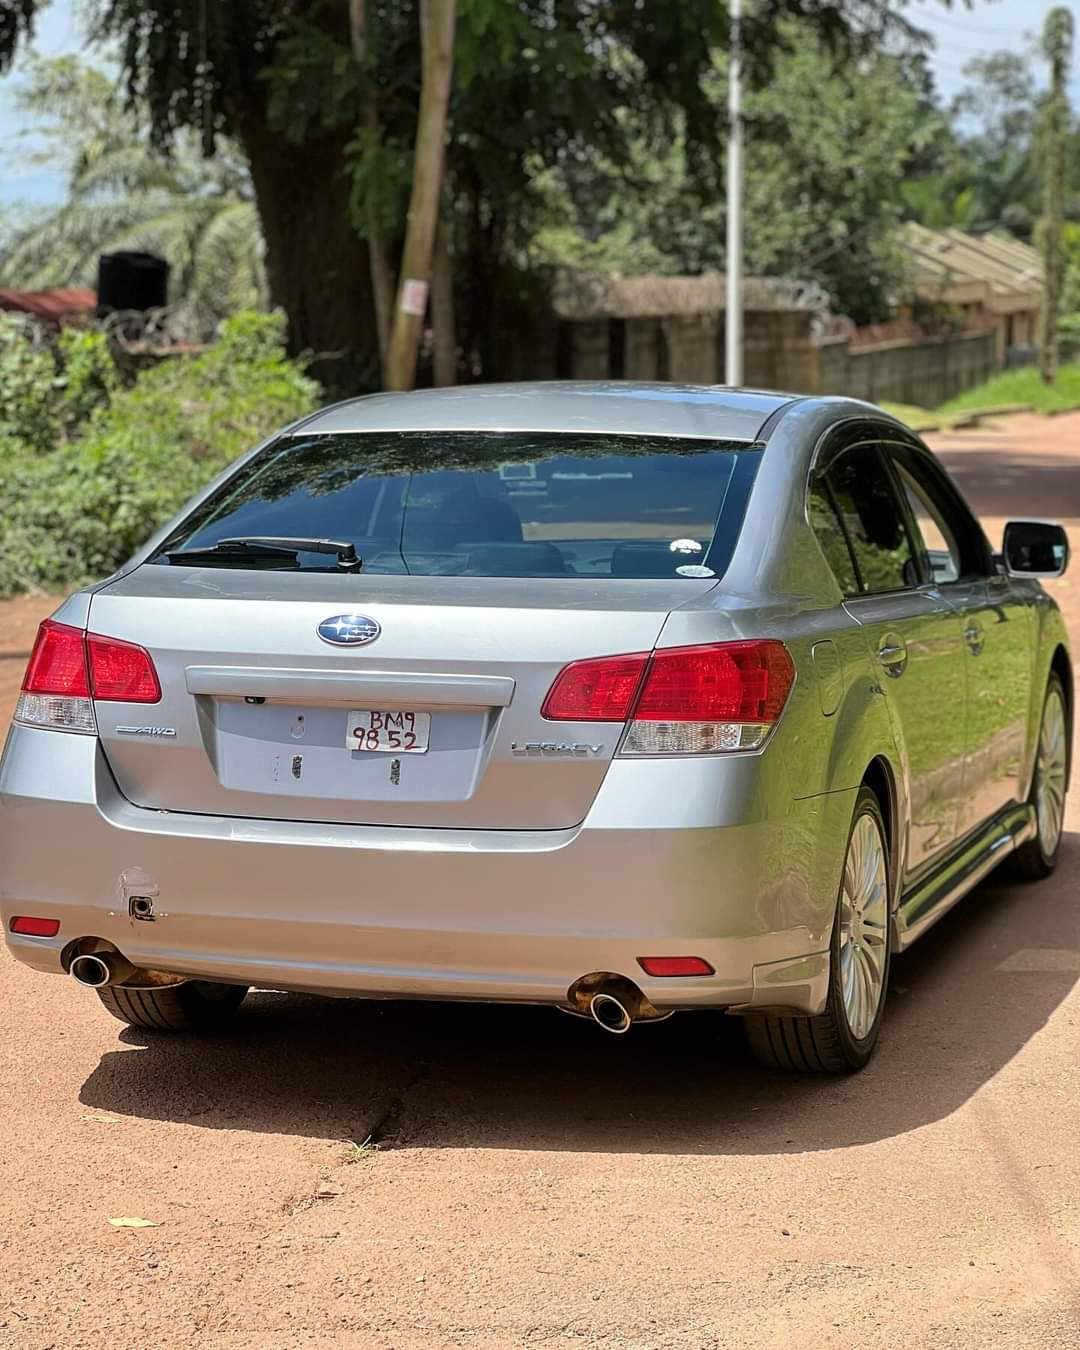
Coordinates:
x,y
608,1012
95,970
91,971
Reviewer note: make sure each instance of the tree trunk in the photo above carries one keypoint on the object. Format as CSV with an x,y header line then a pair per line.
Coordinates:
x,y
1057,47
317,266
437,19
442,308
382,273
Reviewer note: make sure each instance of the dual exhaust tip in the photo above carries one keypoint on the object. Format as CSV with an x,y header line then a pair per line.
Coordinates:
x,y
612,1001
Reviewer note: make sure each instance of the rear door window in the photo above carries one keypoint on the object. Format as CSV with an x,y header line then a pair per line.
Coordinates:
x,y
486,504
946,533
863,490
936,540
828,527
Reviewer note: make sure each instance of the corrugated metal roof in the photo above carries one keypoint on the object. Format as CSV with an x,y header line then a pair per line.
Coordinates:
x,y
957,267
52,304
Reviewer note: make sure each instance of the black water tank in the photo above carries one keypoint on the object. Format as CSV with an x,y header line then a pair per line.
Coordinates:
x,y
131,280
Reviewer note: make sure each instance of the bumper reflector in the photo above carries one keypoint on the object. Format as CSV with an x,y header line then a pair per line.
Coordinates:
x,y
33,927
675,965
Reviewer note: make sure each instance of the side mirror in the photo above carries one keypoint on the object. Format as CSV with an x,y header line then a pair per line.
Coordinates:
x,y
1035,548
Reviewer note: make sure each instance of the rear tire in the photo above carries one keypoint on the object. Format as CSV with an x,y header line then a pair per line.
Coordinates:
x,y
842,1038
195,1005
1038,857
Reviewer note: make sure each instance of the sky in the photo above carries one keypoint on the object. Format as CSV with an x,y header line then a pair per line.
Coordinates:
x,y
959,34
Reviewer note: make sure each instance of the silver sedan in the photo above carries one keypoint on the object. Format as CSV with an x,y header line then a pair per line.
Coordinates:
x,y
627,699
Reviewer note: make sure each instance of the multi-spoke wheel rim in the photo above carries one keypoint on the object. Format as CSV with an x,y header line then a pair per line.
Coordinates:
x,y
1051,772
864,916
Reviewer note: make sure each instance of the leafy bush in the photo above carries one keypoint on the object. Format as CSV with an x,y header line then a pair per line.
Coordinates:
x,y
49,390
78,511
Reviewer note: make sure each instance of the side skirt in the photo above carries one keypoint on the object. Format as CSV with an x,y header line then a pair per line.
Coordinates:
x,y
921,908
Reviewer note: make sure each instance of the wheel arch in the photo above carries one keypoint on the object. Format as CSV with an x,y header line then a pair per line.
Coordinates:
x,y
1061,666
881,780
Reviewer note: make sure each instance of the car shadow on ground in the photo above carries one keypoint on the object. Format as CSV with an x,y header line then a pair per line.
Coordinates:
x,y
963,1002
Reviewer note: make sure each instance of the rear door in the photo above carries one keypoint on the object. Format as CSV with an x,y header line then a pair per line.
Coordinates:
x,y
914,636
997,624
484,575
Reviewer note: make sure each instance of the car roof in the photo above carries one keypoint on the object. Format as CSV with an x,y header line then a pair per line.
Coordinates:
x,y
583,406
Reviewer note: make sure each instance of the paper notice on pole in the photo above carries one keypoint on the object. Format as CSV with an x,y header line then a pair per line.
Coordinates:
x,y
414,297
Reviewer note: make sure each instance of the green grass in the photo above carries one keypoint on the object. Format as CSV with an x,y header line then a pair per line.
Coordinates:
x,y
354,1152
918,419
1023,385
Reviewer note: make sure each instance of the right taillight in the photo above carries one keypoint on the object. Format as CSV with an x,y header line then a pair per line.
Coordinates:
x,y
70,668
681,700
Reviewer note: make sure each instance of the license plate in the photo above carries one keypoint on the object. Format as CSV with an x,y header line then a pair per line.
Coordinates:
x,y
390,733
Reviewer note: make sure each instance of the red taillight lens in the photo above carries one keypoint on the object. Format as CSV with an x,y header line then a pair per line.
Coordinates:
x,y
57,663
121,672
30,926
68,663
680,700
666,966
601,690
728,682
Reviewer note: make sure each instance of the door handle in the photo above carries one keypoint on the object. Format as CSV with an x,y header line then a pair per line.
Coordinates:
x,y
892,653
973,636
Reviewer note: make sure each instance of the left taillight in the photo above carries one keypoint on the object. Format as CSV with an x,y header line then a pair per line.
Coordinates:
x,y
70,668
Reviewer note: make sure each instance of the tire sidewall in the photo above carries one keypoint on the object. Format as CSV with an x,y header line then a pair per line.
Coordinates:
x,y
857,1050
1049,860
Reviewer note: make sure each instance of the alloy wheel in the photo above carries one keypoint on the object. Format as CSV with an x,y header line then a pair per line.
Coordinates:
x,y
1051,772
864,917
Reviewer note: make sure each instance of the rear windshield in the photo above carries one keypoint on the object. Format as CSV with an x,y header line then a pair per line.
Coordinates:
x,y
484,504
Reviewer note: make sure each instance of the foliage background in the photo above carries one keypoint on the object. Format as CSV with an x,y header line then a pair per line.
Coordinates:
x,y
90,467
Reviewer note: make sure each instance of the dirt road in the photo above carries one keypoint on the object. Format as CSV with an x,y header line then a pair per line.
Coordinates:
x,y
539,1183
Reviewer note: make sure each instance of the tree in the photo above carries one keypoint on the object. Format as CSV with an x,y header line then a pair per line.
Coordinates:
x,y
823,183
983,167
122,193
537,81
382,275
437,21
1057,41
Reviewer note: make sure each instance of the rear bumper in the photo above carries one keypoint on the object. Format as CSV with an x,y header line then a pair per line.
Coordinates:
x,y
410,913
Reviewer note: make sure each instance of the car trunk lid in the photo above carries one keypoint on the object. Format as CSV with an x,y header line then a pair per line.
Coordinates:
x,y
256,706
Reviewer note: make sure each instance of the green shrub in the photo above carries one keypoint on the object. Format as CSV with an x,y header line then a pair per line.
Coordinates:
x,y
49,389
28,389
79,511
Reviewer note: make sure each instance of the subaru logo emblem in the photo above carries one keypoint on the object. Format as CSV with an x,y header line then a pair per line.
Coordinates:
x,y
348,630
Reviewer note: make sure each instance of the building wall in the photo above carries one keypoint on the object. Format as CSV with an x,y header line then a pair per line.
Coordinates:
x,y
779,354
686,348
924,372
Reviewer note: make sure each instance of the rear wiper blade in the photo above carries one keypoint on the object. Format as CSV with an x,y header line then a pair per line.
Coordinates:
x,y
273,546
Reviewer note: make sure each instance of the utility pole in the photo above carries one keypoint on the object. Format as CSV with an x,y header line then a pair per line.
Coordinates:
x,y
1057,38
733,316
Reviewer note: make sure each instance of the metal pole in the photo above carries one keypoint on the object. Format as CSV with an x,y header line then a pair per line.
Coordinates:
x,y
733,317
